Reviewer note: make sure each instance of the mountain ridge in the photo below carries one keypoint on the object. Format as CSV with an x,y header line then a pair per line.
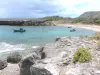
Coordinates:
x,y
90,14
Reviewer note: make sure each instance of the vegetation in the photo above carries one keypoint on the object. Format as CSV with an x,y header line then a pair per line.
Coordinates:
x,y
96,36
14,57
82,55
93,14
83,36
92,17
53,18
34,22
78,20
88,20
85,18
98,44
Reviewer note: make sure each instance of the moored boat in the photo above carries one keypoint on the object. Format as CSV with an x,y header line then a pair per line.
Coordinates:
x,y
69,27
72,30
20,30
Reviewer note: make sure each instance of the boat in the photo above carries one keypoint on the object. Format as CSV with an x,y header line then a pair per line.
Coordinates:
x,y
69,27
20,30
72,30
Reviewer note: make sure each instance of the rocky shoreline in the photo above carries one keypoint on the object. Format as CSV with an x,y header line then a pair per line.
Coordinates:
x,y
56,59
34,22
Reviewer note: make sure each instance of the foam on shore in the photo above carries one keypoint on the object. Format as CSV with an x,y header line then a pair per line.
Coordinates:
x,y
5,47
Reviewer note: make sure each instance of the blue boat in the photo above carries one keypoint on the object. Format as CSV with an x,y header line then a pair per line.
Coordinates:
x,y
20,30
73,30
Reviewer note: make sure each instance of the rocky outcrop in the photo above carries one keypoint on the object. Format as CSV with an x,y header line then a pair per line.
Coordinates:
x,y
56,59
34,22
38,23
61,54
39,69
30,60
27,62
3,64
14,57
11,69
82,69
57,38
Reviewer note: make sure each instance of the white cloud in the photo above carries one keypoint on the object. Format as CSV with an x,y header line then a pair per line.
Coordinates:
x,y
40,8
79,6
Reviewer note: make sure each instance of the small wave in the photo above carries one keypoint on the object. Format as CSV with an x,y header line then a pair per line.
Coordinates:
x,y
5,47
35,46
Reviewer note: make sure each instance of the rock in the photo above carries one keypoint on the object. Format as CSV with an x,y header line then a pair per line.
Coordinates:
x,y
61,53
42,55
57,38
3,64
39,49
39,70
38,23
58,59
11,69
53,68
14,57
81,69
31,59
40,52
27,62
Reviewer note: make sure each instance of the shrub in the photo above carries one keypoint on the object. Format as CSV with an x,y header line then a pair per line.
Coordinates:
x,y
82,55
83,36
98,44
14,57
54,18
78,20
96,36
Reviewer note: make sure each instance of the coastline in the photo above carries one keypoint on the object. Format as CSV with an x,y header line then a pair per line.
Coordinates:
x,y
85,26
62,55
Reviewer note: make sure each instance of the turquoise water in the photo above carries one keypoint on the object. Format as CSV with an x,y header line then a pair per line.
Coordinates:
x,y
35,35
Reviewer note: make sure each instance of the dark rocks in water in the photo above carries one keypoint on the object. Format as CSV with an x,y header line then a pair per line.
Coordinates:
x,y
3,64
14,57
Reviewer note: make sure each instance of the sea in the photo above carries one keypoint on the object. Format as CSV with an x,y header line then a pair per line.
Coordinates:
x,y
34,36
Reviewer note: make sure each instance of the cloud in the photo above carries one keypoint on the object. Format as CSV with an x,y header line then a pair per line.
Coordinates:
x,y
41,8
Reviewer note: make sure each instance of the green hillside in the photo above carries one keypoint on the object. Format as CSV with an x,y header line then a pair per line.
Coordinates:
x,y
91,17
91,14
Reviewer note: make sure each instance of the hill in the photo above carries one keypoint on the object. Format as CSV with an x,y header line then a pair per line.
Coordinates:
x,y
91,14
90,17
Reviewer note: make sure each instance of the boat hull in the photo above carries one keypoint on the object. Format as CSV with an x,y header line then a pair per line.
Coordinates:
x,y
19,30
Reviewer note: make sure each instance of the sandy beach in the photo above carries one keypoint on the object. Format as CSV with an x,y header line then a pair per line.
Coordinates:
x,y
88,26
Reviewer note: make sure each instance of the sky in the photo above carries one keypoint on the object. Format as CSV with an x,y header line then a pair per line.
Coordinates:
x,y
42,8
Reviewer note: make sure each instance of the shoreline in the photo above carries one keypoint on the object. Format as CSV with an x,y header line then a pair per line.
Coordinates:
x,y
85,26
78,25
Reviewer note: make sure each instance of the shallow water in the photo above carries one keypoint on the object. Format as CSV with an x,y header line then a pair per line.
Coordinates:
x,y
34,36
